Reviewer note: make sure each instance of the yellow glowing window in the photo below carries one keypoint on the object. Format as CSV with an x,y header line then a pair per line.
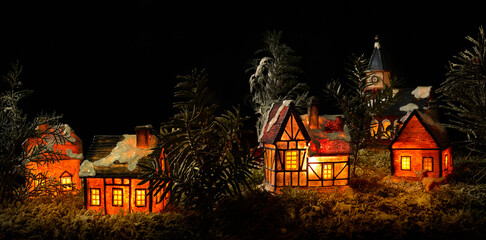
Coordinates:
x,y
140,197
95,196
117,181
291,160
428,164
374,127
117,197
66,181
386,130
406,161
446,161
327,171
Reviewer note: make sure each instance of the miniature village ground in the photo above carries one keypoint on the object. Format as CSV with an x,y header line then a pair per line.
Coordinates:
x,y
375,208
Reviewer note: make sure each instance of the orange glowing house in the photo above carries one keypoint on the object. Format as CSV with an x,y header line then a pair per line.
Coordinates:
x,y
310,153
421,144
112,176
65,167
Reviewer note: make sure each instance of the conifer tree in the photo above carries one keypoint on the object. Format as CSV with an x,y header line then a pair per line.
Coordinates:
x,y
276,78
359,106
464,93
207,158
16,180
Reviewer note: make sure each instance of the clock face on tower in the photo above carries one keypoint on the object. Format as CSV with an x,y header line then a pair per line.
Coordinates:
x,y
374,79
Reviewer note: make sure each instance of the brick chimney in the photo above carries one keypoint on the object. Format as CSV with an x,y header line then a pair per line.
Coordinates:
x,y
313,113
143,136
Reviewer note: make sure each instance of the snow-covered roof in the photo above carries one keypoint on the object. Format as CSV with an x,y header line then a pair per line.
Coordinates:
x,y
117,156
72,148
331,138
275,121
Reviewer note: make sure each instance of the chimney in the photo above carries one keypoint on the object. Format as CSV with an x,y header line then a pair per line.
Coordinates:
x,y
143,136
433,109
313,113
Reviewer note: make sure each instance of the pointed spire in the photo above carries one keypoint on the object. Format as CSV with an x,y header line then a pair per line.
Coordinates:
x,y
377,60
377,42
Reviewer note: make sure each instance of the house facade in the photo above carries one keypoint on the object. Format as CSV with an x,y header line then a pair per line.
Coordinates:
x,y
306,153
64,166
421,144
112,176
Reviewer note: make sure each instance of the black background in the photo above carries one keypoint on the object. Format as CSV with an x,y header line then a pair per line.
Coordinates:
x,y
109,66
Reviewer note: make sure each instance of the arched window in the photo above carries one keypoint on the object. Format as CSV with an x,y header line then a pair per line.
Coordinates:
x,y
66,181
386,129
374,128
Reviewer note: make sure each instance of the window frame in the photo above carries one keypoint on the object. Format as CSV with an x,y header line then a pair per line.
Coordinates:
x,y
289,157
66,186
113,197
144,195
402,158
431,163
91,194
327,170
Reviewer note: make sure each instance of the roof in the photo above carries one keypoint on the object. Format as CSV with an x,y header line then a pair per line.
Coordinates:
x,y
377,61
103,145
433,127
277,120
332,137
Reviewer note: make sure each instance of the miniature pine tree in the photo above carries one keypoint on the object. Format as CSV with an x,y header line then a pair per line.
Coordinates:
x,y
464,93
359,106
15,128
276,78
207,158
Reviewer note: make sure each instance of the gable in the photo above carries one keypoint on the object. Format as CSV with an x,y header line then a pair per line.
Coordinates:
x,y
283,123
292,130
413,134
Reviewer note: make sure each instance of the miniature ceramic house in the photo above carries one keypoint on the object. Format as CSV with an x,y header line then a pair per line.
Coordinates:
x,y
421,144
295,158
112,176
65,168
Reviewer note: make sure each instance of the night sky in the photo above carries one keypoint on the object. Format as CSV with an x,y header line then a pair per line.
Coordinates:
x,y
110,67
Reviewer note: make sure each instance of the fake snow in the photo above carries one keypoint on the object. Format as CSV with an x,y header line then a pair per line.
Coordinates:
x,y
285,103
126,151
267,114
421,92
409,107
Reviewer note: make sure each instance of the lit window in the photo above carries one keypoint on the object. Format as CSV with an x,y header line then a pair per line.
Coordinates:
x,y
117,197
427,164
117,181
406,163
140,197
374,128
446,161
327,171
66,181
385,124
291,160
95,196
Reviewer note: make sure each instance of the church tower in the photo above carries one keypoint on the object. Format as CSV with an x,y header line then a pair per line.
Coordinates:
x,y
378,72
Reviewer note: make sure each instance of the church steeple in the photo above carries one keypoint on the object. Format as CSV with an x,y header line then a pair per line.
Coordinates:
x,y
378,72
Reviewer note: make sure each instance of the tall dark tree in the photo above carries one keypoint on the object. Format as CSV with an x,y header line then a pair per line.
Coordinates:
x,y
276,77
358,105
15,128
464,93
207,159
